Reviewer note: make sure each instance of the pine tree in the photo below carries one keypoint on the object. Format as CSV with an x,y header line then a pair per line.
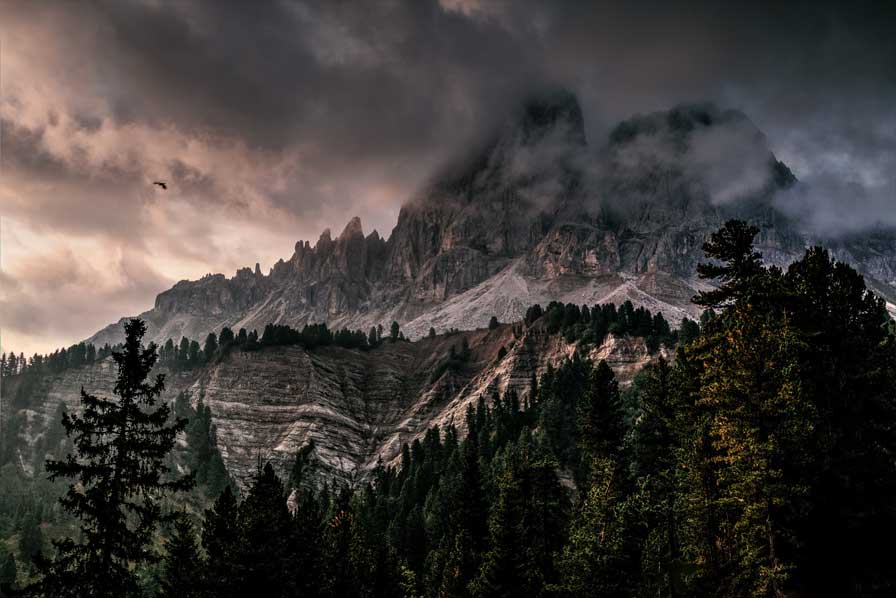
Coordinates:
x,y
473,507
501,572
182,577
266,551
848,368
31,538
195,353
221,540
393,331
526,526
183,353
210,349
596,561
762,425
460,568
119,476
760,421
656,452
599,415
733,246
226,338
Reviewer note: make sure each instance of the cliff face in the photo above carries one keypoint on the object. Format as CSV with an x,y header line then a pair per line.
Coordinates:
x,y
530,216
358,407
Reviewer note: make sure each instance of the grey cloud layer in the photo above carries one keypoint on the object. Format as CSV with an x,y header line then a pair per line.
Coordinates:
x,y
273,120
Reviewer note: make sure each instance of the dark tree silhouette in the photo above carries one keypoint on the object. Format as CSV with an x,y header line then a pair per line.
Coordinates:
x,y
119,474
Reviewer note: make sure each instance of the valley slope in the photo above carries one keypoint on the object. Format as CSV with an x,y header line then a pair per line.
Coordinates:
x,y
358,407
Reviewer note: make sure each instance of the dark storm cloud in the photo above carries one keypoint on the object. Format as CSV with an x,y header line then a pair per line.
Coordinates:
x,y
275,119
384,85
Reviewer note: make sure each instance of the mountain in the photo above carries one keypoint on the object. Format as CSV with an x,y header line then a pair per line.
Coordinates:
x,y
357,406
534,214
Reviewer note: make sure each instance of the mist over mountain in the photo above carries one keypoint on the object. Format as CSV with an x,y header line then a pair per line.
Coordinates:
x,y
535,213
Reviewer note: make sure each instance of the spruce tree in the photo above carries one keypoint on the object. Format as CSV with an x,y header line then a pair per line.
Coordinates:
x,y
119,475
597,560
657,432
221,542
848,367
266,548
599,414
183,353
182,577
761,425
732,246
210,348
31,538
459,569
501,572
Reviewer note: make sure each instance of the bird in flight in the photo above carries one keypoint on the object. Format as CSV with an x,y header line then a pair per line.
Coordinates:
x,y
160,184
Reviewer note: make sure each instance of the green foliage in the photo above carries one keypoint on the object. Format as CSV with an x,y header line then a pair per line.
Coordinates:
x,y
758,463
119,474
265,549
591,325
183,567
220,541
735,267
202,456
210,348
31,537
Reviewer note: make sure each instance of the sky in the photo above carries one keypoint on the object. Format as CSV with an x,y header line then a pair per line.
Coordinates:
x,y
271,121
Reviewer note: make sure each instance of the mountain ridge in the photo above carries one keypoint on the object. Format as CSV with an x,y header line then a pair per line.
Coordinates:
x,y
532,216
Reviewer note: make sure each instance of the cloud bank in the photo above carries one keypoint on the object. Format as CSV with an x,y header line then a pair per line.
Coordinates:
x,y
271,121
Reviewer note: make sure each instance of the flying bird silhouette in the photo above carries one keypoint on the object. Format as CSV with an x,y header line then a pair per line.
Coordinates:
x,y
160,184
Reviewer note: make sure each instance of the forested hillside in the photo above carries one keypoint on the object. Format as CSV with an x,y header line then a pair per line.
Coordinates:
x,y
757,462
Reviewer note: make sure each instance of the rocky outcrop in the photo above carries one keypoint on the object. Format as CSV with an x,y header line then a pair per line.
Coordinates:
x,y
532,215
358,407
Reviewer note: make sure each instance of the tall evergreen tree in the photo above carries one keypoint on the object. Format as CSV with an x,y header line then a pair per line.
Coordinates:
x,y
119,475
210,348
221,542
599,412
659,427
848,367
182,577
266,547
31,537
736,263
761,427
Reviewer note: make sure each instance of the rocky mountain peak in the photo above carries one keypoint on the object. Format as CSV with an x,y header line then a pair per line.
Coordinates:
x,y
352,229
681,122
532,216
325,242
549,111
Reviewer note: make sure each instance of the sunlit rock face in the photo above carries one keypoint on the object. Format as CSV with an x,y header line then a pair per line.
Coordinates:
x,y
358,407
533,214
